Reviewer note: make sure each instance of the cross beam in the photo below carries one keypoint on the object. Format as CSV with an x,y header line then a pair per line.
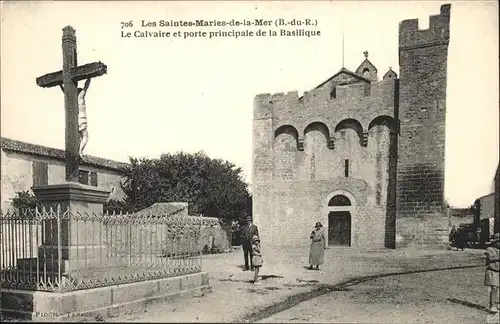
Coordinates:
x,y
79,73
69,77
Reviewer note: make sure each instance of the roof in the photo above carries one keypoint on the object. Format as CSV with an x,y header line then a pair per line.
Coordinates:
x,y
345,71
485,196
58,154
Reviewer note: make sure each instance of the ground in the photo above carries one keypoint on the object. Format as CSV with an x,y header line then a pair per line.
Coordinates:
x,y
448,296
353,286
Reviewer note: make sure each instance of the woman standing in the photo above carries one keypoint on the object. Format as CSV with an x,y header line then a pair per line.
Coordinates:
x,y
493,271
318,246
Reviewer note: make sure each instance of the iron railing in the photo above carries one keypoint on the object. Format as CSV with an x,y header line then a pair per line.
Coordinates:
x,y
55,250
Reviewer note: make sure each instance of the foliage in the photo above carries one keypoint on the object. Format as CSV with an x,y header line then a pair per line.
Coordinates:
x,y
212,187
117,206
25,200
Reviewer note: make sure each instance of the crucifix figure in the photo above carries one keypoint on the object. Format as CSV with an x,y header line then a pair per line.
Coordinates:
x,y
82,115
74,99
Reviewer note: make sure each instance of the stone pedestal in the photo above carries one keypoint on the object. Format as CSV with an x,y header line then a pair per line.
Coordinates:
x,y
77,197
81,241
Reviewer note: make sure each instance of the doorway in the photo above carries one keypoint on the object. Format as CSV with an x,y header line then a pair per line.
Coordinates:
x,y
339,228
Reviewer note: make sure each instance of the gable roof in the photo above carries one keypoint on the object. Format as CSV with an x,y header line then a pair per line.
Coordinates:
x,y
57,154
347,72
364,64
390,75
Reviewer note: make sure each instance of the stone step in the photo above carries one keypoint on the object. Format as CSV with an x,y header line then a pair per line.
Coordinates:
x,y
91,278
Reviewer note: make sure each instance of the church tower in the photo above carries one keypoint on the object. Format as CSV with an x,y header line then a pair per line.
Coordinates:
x,y
422,111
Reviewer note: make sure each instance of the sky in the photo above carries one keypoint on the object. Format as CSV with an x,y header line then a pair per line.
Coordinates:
x,y
165,95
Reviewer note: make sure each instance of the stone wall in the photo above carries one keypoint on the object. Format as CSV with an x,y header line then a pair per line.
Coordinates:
x,y
300,148
422,94
465,213
188,234
17,175
487,206
143,240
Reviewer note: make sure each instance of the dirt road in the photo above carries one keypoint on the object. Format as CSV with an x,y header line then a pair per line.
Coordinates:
x,y
286,282
449,296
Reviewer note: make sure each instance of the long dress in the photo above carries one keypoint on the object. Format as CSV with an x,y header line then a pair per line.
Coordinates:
x,y
491,276
318,243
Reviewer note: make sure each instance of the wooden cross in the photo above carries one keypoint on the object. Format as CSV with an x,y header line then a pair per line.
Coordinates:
x,y
69,77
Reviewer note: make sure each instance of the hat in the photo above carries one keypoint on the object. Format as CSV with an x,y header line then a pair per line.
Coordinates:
x,y
255,238
318,224
495,237
249,218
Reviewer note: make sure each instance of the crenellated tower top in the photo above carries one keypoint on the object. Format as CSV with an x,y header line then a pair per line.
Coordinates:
x,y
410,36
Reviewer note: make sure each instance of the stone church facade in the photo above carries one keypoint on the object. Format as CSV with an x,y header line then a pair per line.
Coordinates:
x,y
363,156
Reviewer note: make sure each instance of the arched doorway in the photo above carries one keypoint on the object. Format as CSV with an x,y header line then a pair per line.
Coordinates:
x,y
340,210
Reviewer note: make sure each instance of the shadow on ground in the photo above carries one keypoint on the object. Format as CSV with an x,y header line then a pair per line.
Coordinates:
x,y
468,304
263,277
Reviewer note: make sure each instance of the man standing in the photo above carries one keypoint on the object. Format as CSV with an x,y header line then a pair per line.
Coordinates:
x,y
453,236
248,233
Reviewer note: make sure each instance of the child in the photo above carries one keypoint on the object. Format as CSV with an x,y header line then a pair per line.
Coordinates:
x,y
256,258
492,271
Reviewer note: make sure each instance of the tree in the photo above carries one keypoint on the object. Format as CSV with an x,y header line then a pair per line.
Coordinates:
x,y
212,187
26,203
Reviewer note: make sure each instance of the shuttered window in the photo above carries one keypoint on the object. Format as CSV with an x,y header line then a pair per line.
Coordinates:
x,y
93,179
40,173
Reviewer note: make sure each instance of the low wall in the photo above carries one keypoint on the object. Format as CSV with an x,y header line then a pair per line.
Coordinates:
x,y
215,238
99,302
167,240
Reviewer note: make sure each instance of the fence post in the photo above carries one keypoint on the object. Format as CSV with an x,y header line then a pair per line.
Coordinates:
x,y
1,262
59,246
199,240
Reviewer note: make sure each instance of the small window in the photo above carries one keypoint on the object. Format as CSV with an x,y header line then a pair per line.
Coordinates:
x,y
93,179
346,168
333,93
83,177
366,73
378,195
368,90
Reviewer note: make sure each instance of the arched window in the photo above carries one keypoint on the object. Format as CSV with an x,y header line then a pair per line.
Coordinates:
x,y
339,200
366,73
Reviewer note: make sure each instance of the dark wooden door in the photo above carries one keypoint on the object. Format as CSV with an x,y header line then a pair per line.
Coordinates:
x,y
339,228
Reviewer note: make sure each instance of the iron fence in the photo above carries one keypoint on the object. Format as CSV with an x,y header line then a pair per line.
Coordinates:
x,y
55,250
